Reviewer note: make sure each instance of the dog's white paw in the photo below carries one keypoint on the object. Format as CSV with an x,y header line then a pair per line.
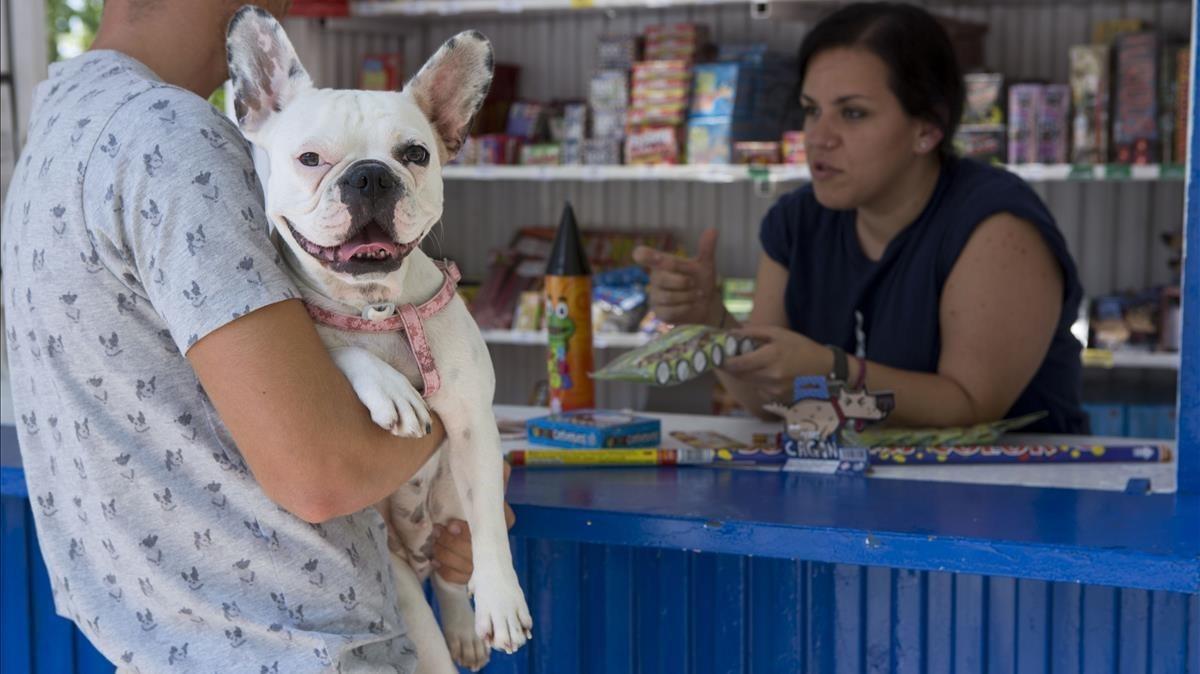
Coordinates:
x,y
502,619
467,649
394,403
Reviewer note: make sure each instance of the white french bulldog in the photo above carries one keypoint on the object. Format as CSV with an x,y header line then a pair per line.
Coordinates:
x,y
353,184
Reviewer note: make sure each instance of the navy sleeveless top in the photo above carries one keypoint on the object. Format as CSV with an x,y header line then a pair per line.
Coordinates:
x,y
888,310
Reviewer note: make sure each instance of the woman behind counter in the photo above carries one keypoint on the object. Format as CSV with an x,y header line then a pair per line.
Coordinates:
x,y
946,281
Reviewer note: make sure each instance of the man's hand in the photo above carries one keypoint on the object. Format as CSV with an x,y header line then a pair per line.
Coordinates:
x,y
452,544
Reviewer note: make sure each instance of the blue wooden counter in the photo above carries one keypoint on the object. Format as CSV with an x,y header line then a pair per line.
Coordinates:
x,y
715,570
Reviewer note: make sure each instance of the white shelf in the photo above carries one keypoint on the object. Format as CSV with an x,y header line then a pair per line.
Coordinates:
x,y
454,7
1092,357
529,338
711,173
1131,360
716,173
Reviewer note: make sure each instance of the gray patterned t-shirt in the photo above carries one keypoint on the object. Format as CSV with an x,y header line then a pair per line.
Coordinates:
x,y
133,228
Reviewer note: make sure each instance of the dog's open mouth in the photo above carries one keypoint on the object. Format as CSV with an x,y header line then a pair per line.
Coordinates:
x,y
370,250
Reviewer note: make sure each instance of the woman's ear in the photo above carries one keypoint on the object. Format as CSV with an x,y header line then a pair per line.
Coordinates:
x,y
927,138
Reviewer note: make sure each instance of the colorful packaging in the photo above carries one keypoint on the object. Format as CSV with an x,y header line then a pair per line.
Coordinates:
x,y
794,149
708,141
541,154
983,143
602,151
529,311
594,429
714,89
382,72
1089,97
617,52
1024,100
684,353
1052,124
655,145
756,153
985,102
1135,123
496,148
765,450
526,121
568,295
609,90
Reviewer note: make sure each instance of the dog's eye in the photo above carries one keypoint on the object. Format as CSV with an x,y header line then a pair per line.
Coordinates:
x,y
415,154
310,159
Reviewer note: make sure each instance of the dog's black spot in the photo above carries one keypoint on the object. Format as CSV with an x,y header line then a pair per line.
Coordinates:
x,y
418,515
466,435
415,484
294,70
489,61
275,106
477,35
470,495
451,44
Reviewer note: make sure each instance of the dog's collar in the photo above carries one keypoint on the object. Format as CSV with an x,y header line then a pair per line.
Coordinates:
x,y
406,318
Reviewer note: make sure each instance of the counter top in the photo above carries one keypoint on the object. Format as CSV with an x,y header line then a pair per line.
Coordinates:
x,y
1060,533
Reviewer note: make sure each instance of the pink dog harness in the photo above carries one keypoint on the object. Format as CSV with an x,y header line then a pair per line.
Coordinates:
x,y
405,318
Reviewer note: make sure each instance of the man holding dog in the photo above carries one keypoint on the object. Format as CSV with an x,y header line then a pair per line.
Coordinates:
x,y
201,472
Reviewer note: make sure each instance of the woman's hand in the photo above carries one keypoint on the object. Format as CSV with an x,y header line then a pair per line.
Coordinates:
x,y
452,544
684,290
781,356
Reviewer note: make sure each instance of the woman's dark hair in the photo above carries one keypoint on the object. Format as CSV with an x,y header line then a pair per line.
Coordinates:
x,y
923,68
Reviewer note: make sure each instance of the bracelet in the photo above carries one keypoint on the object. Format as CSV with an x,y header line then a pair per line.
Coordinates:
x,y
841,366
860,382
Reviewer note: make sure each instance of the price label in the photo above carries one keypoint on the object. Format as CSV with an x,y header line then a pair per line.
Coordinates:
x,y
1098,358
1082,172
1118,171
582,4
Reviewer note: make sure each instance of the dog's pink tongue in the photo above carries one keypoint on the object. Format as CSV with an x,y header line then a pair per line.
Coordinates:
x,y
370,240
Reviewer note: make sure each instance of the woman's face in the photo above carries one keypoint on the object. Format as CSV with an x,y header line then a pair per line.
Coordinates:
x,y
859,138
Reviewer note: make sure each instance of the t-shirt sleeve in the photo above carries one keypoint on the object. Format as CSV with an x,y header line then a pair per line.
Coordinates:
x,y
176,211
778,230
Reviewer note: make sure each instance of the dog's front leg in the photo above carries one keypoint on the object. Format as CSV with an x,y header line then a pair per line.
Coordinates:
x,y
502,618
393,401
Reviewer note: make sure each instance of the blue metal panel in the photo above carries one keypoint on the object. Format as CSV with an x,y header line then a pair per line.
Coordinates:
x,y
1134,618
939,612
822,617
1066,607
849,610
1033,626
1189,370
1094,537
1168,647
969,630
878,620
555,598
1001,640
777,616
1099,646
15,637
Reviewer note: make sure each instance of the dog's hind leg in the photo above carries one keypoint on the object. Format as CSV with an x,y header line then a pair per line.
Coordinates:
x,y
432,655
458,622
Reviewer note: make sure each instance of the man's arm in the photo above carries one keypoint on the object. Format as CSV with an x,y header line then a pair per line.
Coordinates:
x,y
307,438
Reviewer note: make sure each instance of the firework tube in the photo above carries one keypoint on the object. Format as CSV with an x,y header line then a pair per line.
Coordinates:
x,y
569,319
533,458
1148,453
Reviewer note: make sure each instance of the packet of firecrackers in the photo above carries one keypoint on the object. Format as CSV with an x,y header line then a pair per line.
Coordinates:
x,y
682,354
987,433
764,448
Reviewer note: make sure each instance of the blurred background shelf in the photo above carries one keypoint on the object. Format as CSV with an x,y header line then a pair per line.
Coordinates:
x,y
456,7
717,173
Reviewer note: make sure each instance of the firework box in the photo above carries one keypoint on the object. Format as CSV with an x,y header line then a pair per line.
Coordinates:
x,y
985,143
1089,98
714,89
985,99
1135,126
1053,123
1023,103
382,72
708,141
594,429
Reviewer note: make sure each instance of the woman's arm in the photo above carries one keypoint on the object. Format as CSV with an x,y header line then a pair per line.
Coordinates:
x,y
998,311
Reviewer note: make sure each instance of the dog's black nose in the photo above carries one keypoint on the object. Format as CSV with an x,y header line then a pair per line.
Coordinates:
x,y
370,179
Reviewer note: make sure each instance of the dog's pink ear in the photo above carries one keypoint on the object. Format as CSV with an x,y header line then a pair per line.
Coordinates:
x,y
263,67
451,86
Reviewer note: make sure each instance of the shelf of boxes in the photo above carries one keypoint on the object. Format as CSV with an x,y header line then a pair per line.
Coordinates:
x,y
784,173
455,7
1098,358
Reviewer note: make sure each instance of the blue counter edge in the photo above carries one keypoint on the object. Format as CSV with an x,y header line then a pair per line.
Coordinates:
x,y
1083,565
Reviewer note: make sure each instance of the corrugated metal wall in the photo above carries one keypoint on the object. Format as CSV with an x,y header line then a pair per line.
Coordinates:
x,y
616,610
1113,228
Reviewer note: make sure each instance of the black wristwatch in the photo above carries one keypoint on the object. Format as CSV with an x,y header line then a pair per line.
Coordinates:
x,y
841,364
